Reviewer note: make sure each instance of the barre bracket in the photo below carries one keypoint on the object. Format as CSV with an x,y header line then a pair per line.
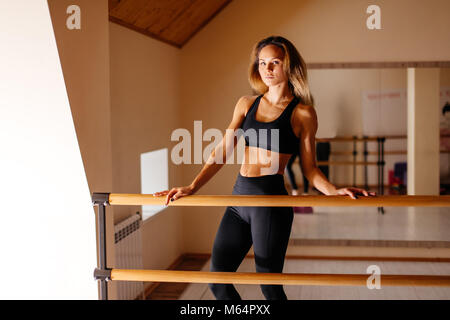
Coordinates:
x,y
102,274
100,198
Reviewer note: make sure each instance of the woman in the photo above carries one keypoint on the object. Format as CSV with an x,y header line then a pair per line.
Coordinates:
x,y
278,73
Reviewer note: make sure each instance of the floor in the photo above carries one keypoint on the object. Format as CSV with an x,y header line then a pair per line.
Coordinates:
x,y
172,291
365,223
404,226
425,227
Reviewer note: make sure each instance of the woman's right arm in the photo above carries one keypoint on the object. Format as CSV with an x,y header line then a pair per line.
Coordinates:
x,y
217,158
223,149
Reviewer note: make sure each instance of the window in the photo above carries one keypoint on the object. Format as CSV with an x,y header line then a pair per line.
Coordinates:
x,y
154,177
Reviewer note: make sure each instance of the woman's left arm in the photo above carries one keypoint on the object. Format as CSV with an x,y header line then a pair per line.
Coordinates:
x,y
307,119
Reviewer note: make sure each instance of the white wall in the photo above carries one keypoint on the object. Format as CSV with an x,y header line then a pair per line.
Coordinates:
x,y
47,240
423,131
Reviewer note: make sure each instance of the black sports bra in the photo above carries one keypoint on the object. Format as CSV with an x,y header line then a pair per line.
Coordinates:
x,y
276,135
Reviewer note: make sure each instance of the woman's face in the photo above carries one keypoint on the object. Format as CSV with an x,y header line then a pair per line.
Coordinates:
x,y
271,67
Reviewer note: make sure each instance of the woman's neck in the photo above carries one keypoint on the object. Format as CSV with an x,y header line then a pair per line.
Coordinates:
x,y
279,94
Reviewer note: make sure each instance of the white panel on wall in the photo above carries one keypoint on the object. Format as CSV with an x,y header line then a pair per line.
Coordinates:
x,y
154,177
384,112
47,243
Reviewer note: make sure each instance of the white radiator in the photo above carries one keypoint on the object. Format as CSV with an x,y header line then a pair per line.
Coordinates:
x,y
128,247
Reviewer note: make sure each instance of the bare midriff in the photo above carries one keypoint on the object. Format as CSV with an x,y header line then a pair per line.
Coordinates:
x,y
260,162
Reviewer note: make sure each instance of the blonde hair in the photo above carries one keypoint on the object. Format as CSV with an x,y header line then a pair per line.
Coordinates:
x,y
294,67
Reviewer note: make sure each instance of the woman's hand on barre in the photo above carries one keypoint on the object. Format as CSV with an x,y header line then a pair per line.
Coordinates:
x,y
354,192
175,193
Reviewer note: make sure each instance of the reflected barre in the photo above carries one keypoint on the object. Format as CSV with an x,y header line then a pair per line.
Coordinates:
x,y
283,200
345,163
307,279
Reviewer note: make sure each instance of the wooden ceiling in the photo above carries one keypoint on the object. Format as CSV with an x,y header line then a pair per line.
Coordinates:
x,y
171,21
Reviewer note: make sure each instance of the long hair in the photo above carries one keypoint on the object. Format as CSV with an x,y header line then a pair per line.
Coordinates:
x,y
294,67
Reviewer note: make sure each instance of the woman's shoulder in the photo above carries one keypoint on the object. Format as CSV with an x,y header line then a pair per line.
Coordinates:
x,y
304,110
303,115
246,102
248,99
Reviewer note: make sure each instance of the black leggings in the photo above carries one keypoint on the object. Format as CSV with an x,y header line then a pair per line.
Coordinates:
x,y
267,228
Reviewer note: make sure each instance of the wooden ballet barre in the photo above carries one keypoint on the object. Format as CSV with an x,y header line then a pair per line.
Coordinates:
x,y
374,153
308,279
283,200
350,153
358,163
369,138
343,139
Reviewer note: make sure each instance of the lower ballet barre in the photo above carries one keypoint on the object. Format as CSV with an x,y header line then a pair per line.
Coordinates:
x,y
306,279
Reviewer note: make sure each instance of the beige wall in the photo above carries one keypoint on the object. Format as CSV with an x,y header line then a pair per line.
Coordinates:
x,y
84,56
144,112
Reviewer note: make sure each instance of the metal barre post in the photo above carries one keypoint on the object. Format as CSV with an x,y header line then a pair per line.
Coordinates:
x,y
102,273
354,160
366,184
